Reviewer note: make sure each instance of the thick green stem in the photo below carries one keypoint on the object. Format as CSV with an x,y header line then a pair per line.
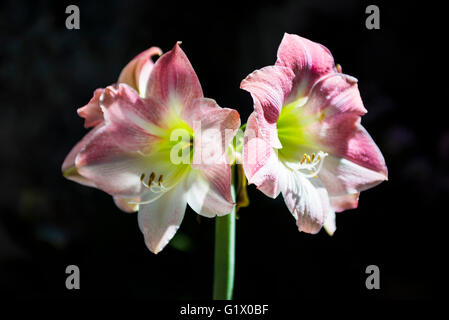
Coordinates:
x,y
225,252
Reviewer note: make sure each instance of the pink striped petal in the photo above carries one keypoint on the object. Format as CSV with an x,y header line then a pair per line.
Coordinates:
x,y
213,128
341,176
269,88
307,59
307,200
137,72
112,167
343,136
160,219
92,112
333,94
209,192
260,162
121,105
173,80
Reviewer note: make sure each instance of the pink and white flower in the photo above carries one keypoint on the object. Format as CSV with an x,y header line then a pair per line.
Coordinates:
x,y
130,151
305,138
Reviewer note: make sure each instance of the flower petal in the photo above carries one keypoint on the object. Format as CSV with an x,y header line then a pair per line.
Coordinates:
x,y
333,94
112,167
269,87
160,219
137,72
173,80
345,202
69,169
341,176
343,136
92,112
338,204
122,106
307,200
330,224
209,192
308,60
213,129
260,162
126,204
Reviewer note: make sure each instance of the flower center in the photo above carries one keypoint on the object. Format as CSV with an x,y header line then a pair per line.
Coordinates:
x,y
298,151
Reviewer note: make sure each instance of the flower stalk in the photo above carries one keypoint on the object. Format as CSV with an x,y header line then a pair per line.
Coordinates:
x,y
224,261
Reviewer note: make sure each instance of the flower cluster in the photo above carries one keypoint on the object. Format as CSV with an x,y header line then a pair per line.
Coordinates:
x,y
157,144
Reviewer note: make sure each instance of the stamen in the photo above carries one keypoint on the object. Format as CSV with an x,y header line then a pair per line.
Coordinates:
x,y
311,164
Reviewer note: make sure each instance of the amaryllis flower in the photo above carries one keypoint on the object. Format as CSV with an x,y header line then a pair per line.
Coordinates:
x,y
305,139
152,135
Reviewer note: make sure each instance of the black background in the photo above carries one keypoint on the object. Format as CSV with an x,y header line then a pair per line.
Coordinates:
x,y
47,222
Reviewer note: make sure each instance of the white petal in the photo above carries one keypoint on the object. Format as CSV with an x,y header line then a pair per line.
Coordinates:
x,y
307,200
160,219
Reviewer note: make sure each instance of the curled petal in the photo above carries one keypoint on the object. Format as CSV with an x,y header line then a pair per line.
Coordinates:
x,y
269,87
69,169
173,80
137,72
307,59
260,162
127,204
159,220
209,192
333,94
307,200
341,176
92,112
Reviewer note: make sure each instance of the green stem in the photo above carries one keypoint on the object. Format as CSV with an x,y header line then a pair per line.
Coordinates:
x,y
225,252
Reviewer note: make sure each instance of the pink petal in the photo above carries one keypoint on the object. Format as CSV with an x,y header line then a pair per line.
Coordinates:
x,y
333,94
209,192
91,112
213,128
269,88
137,72
343,136
69,169
308,60
121,105
307,200
345,202
260,162
341,176
112,167
173,80
159,220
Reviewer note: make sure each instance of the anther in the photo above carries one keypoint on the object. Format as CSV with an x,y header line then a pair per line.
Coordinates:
x,y
161,179
152,177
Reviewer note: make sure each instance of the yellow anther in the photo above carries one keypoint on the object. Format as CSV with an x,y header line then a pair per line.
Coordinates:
x,y
142,177
304,157
309,160
313,156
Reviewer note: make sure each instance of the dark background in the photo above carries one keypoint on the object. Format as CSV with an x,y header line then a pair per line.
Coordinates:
x,y
47,222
